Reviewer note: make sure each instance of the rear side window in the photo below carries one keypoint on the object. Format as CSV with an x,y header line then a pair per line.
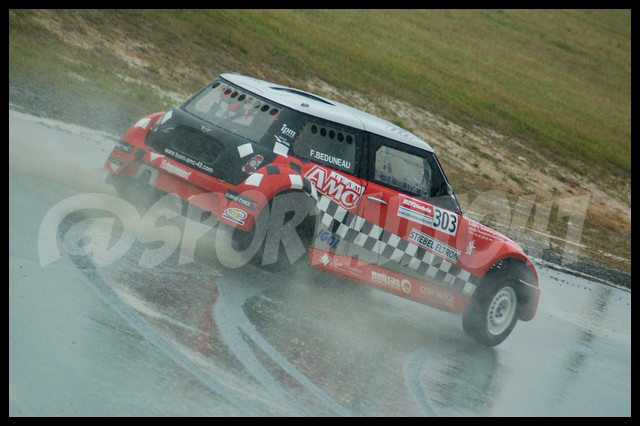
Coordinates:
x,y
402,170
328,144
408,170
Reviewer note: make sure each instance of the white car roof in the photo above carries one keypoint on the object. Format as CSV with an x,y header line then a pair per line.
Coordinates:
x,y
326,109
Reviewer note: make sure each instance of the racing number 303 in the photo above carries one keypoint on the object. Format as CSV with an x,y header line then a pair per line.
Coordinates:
x,y
445,221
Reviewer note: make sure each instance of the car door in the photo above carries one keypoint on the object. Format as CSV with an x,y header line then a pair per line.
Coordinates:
x,y
410,220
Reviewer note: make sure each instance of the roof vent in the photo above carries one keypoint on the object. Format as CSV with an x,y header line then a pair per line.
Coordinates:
x,y
301,93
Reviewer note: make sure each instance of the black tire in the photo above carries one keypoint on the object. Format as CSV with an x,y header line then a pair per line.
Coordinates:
x,y
493,310
299,202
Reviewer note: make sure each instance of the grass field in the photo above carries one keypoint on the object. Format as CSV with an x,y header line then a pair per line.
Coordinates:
x,y
561,80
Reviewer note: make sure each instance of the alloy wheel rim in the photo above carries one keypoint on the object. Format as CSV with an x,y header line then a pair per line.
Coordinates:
x,y
501,310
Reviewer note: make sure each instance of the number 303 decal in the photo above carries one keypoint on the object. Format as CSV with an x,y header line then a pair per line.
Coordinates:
x,y
445,221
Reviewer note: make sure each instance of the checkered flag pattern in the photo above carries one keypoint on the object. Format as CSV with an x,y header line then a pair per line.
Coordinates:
x,y
357,230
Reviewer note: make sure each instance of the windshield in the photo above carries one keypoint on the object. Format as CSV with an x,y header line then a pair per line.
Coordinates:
x,y
234,110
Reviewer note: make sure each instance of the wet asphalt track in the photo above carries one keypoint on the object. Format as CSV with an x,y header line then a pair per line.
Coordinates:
x,y
202,339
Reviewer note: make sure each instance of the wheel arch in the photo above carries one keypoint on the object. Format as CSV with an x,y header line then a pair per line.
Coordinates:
x,y
269,182
309,223
518,269
278,186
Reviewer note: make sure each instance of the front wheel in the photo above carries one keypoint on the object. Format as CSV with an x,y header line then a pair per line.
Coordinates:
x,y
492,312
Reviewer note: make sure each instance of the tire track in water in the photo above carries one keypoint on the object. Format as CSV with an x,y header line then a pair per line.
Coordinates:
x,y
232,323
413,372
106,293
233,327
109,295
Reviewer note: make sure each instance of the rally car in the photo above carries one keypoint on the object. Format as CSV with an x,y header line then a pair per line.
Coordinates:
x,y
378,207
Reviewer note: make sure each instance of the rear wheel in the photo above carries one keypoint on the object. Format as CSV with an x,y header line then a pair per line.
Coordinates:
x,y
493,310
280,231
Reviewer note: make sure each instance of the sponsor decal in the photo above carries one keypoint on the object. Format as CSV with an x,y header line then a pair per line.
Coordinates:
x,y
416,211
329,159
241,199
342,263
235,215
425,214
470,247
434,246
174,169
190,161
333,185
287,131
423,207
414,216
481,232
283,141
438,294
445,221
395,283
253,164
328,238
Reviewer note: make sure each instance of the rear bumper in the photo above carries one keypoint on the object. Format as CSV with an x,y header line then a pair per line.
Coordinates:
x,y
141,168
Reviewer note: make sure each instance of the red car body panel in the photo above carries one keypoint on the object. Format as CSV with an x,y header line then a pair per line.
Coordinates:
x,y
453,240
386,280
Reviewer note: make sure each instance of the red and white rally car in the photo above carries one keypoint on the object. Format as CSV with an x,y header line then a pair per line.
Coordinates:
x,y
385,214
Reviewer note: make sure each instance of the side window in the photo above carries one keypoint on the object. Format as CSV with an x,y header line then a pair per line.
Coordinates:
x,y
404,171
327,144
